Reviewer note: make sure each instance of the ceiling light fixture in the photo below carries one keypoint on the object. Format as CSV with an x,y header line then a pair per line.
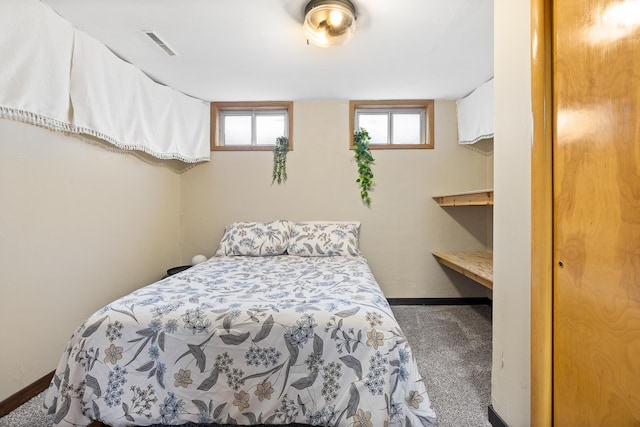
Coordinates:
x,y
329,22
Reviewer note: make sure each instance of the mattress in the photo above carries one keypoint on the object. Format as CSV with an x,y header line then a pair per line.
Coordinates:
x,y
244,340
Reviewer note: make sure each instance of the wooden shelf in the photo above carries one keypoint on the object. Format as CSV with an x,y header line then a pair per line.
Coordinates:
x,y
469,198
477,266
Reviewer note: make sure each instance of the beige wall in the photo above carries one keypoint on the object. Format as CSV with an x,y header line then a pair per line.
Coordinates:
x,y
400,230
82,225
79,227
510,391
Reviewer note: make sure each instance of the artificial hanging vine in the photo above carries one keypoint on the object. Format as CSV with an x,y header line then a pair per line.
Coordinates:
x,y
280,151
364,159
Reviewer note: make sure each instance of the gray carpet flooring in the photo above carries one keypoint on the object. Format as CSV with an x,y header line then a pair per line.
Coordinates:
x,y
451,344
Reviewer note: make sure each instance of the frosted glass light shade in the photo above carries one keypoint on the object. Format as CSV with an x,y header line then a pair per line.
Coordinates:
x,y
329,22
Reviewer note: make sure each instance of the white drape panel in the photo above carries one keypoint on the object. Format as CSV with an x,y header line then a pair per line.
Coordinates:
x,y
55,76
475,115
35,62
116,102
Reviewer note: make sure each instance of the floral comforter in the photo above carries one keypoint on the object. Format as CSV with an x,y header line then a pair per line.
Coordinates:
x,y
244,340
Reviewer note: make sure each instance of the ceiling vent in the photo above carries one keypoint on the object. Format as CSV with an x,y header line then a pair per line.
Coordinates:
x,y
161,43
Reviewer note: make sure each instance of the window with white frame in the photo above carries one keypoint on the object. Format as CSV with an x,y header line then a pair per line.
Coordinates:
x,y
394,124
250,125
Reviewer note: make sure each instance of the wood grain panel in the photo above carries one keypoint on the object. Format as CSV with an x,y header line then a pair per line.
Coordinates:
x,y
597,214
541,217
468,198
477,266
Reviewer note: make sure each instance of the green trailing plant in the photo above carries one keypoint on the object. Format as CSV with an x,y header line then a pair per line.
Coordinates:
x,y
280,151
364,159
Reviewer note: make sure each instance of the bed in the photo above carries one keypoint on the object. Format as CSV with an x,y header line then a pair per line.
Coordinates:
x,y
285,324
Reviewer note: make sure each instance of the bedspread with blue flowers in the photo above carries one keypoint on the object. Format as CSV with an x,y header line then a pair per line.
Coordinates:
x,y
244,340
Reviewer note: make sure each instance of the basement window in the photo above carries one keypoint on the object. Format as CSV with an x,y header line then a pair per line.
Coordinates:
x,y
393,124
250,126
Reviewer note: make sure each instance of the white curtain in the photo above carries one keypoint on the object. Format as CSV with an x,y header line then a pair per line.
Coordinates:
x,y
114,101
35,63
55,76
475,115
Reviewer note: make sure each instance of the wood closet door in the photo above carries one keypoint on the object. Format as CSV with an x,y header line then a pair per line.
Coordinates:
x,y
596,59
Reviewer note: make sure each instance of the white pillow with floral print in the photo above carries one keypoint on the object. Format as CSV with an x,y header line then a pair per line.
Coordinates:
x,y
322,238
255,238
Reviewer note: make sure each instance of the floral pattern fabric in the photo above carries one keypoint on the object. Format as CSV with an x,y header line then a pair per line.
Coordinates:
x,y
244,340
255,238
324,239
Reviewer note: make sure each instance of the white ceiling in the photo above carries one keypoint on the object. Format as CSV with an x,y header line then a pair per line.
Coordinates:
x,y
255,50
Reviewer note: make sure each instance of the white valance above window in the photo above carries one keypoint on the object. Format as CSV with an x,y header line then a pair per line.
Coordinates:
x,y
475,115
58,77
35,47
114,101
